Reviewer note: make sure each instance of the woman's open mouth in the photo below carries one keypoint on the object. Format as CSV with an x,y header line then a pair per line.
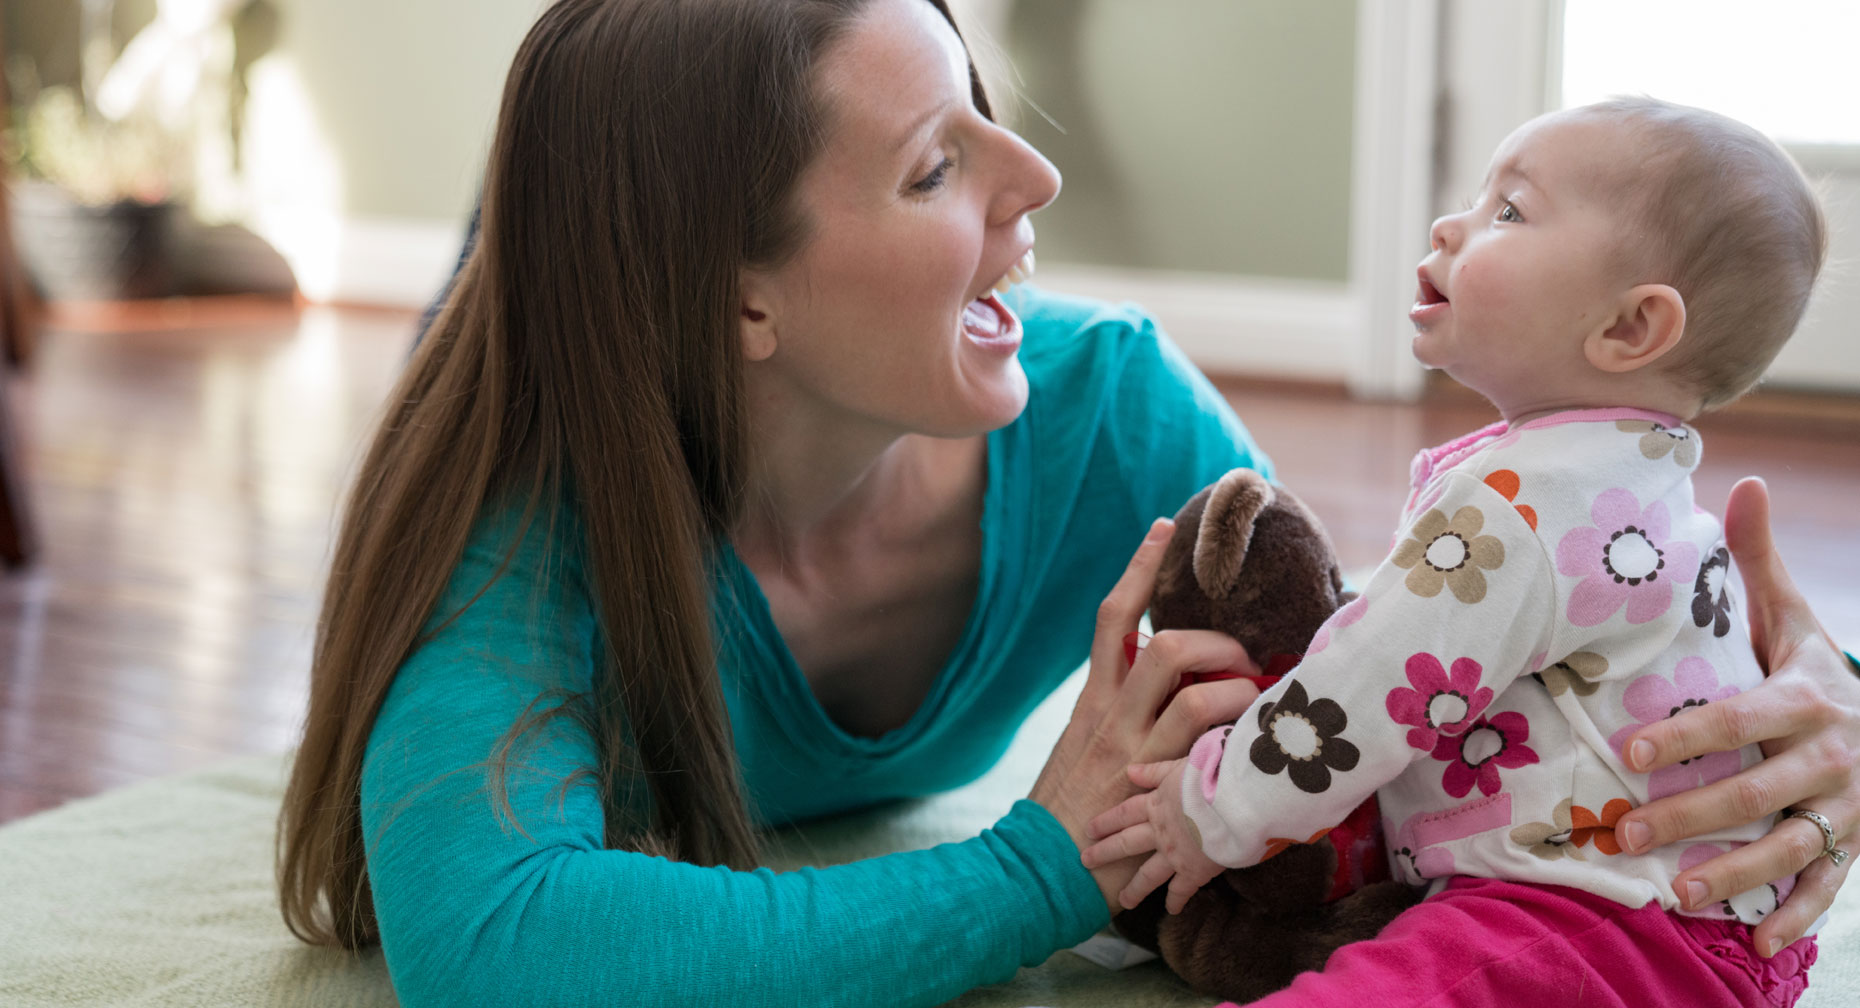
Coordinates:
x,y
990,324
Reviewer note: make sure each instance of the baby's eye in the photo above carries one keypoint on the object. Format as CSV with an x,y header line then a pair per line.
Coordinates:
x,y
1509,213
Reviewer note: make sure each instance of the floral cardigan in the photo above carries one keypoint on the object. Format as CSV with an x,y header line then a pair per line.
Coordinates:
x,y
1553,589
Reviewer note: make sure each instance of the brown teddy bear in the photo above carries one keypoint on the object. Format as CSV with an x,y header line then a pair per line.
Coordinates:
x,y
1250,560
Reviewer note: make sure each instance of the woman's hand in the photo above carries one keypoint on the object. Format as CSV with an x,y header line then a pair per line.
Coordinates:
x,y
1154,821
1806,716
1114,723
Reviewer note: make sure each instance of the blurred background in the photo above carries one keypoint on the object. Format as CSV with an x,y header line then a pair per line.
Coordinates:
x,y
225,213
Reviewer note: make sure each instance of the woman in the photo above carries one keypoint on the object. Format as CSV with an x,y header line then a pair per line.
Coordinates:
x,y
722,494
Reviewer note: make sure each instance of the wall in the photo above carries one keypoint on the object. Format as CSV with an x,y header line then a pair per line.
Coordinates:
x,y
404,94
1194,135
1206,139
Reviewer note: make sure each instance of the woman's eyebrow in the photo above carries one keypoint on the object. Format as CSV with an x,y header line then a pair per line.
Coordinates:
x,y
917,125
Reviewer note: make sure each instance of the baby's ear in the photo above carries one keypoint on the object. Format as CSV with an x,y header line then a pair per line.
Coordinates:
x,y
1227,530
1650,323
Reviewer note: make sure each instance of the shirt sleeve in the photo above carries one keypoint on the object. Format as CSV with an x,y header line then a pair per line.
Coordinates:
x,y
1463,606
1172,432
474,905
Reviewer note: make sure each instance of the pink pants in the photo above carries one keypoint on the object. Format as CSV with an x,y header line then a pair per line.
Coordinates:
x,y
1490,943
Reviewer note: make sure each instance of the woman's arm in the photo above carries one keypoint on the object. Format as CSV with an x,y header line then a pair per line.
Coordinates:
x,y
1806,715
1115,723
475,908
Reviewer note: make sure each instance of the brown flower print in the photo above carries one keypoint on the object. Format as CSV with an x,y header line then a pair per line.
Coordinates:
x,y
1576,674
1451,552
1304,738
1711,602
1658,441
1551,841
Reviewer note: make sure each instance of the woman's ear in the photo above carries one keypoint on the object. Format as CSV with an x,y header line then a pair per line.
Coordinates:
x,y
1651,322
756,319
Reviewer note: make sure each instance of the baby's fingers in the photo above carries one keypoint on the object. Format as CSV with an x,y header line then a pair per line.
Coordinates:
x,y
1125,814
1138,839
1181,890
1154,873
1149,776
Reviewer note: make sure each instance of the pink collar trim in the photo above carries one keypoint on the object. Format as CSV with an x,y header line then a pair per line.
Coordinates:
x,y
1441,457
1432,460
1604,414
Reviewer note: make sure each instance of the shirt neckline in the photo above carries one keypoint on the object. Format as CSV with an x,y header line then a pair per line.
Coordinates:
x,y
808,721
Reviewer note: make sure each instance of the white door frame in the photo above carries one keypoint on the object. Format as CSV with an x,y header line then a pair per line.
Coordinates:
x,y
1392,188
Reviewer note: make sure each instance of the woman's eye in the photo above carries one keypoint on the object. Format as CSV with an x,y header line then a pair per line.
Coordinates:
x,y
934,180
1509,214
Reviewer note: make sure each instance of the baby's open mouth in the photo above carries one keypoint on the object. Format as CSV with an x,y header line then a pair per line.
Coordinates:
x,y
1429,294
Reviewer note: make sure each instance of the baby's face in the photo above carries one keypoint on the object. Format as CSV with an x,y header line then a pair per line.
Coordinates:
x,y
1517,280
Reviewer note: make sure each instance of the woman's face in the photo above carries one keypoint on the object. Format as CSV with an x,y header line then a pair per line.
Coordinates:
x,y
915,207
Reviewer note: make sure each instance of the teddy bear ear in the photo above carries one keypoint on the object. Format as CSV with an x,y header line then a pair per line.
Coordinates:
x,y
1227,530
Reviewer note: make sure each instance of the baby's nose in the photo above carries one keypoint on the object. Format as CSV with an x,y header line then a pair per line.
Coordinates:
x,y
1444,234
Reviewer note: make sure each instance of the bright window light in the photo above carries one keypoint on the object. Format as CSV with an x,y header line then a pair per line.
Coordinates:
x,y
1786,67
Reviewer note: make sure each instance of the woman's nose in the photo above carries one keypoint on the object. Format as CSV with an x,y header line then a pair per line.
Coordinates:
x,y
1028,182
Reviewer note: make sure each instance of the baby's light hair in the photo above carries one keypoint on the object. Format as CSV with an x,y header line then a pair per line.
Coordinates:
x,y
1731,223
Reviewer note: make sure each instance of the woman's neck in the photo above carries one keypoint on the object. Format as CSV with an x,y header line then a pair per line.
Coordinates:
x,y
819,482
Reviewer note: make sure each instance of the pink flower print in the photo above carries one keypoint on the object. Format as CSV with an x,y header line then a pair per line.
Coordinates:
x,y
1654,698
1625,557
1205,757
1439,704
1338,620
1475,757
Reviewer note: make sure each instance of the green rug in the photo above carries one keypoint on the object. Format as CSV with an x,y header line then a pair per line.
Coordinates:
x,y
161,895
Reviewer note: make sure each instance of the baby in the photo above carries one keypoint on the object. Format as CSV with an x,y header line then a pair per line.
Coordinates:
x,y
1553,589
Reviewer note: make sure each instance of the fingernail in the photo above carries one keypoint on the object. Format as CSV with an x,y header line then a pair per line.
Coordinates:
x,y
1634,836
1695,894
1159,530
1774,946
1640,754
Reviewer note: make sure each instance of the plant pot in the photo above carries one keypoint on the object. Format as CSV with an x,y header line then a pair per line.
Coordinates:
x,y
76,252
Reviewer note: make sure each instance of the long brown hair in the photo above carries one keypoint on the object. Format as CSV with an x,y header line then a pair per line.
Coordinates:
x,y
646,152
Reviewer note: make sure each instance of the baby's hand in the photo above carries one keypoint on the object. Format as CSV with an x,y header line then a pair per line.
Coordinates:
x,y
1153,821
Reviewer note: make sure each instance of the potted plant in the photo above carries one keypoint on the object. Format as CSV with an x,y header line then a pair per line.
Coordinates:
x,y
93,212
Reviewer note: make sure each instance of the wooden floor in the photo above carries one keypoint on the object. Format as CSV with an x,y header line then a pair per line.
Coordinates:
x,y
185,461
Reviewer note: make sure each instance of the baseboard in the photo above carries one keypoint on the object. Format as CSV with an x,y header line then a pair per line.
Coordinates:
x,y
1232,325
398,262
1242,326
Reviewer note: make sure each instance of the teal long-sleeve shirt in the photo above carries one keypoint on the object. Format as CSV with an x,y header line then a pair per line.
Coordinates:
x,y
475,909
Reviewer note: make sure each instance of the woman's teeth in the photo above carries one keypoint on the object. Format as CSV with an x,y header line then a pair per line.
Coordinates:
x,y
1020,272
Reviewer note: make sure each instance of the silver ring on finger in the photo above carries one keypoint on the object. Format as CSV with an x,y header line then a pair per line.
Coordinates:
x,y
1833,853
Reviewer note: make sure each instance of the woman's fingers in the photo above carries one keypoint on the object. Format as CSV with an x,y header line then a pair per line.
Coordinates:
x,y
1813,895
1123,607
1777,609
1193,711
1159,669
1794,776
1749,718
1792,846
